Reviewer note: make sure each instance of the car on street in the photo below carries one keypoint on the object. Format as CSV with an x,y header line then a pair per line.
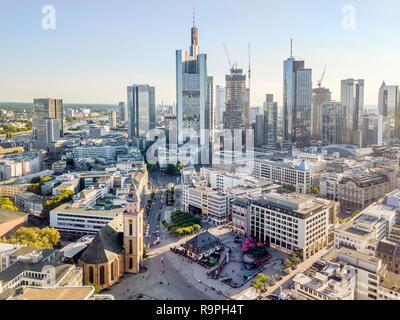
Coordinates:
x,y
272,297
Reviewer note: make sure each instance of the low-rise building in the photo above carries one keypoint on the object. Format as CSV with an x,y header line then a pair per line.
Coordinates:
x,y
299,177
29,202
326,282
201,246
71,219
10,221
361,190
39,268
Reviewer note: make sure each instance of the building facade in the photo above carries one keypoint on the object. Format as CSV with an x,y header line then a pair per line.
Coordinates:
x,y
297,100
48,108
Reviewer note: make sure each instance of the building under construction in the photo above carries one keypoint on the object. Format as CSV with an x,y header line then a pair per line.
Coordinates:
x,y
236,115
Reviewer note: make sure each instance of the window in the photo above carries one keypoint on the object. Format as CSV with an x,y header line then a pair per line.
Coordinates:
x,y
91,274
130,228
112,271
130,247
130,263
102,275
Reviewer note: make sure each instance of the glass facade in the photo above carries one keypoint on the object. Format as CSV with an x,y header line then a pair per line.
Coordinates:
x,y
141,111
48,108
297,99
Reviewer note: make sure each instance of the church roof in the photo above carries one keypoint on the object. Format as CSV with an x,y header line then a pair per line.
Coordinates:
x,y
107,244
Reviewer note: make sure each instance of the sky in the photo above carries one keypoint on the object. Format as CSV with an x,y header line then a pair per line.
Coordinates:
x,y
99,47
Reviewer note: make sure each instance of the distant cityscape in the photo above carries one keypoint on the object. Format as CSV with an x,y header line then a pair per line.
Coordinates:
x,y
208,198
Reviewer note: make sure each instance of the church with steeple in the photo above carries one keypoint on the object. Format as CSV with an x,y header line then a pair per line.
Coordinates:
x,y
117,248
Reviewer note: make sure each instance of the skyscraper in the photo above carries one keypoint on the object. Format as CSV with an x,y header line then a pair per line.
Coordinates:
x,y
389,106
332,122
48,108
258,128
47,132
123,112
236,114
141,111
270,121
352,99
220,107
210,105
112,119
192,96
319,96
297,92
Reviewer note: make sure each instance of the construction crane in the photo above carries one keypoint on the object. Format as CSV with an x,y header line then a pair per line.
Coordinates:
x,y
248,103
231,78
319,84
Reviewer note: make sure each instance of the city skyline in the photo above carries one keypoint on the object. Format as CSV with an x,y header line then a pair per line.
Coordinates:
x,y
96,62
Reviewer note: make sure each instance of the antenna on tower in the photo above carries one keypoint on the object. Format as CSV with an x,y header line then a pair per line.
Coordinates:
x,y
193,18
291,47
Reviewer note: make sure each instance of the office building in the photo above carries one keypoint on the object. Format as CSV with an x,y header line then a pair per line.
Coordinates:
x,y
270,121
141,111
236,115
319,97
112,119
299,177
192,98
297,100
292,223
123,112
220,106
332,123
383,126
258,128
47,132
352,99
48,108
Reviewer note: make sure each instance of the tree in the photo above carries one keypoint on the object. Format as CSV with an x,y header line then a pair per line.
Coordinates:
x,y
97,288
260,282
295,259
63,197
6,203
316,190
288,263
35,237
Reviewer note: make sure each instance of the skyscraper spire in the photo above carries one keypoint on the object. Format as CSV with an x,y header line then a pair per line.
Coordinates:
x,y
194,51
291,47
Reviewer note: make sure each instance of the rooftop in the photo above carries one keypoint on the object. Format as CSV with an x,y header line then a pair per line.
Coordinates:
x,y
9,215
62,293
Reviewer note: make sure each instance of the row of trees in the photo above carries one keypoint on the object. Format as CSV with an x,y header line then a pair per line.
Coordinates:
x,y
35,237
182,223
6,203
36,184
63,197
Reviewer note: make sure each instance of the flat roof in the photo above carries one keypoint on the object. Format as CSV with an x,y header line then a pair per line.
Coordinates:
x,y
9,215
67,208
297,202
61,293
